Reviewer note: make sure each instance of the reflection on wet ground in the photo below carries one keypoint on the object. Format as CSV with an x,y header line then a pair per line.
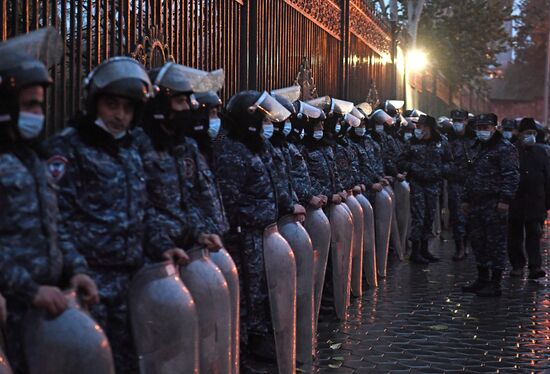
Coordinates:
x,y
419,321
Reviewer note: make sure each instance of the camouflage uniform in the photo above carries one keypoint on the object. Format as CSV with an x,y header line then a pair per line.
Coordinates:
x,y
374,151
366,173
278,160
424,162
250,203
106,215
347,163
493,177
456,172
31,254
322,171
299,175
390,152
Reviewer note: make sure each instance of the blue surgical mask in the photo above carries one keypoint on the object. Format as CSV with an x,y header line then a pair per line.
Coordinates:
x,y
407,136
337,128
214,125
419,134
360,131
458,126
318,134
484,135
115,134
267,131
507,135
30,125
287,128
379,129
529,139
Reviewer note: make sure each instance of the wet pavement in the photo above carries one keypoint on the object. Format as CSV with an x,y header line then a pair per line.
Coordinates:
x,y
419,321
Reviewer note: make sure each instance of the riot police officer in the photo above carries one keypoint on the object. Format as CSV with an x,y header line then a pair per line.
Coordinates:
x,y
460,145
510,131
493,179
423,159
250,202
35,258
104,208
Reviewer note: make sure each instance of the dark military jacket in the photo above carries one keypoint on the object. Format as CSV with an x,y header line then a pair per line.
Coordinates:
x,y
31,252
322,169
424,161
201,186
374,152
347,163
366,173
276,160
461,154
247,191
390,151
301,183
494,172
103,199
165,177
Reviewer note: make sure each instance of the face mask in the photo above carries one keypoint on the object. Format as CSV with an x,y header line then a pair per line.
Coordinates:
x,y
337,128
379,129
214,125
267,131
318,135
30,125
302,134
419,134
507,135
360,131
484,135
529,139
458,126
287,128
407,136
115,134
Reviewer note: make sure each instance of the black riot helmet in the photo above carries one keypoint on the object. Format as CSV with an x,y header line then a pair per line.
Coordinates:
x,y
245,113
17,71
509,124
117,76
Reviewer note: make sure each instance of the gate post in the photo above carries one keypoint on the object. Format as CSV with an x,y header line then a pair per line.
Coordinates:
x,y
343,68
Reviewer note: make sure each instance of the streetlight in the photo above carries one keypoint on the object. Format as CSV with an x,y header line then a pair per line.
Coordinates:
x,y
417,60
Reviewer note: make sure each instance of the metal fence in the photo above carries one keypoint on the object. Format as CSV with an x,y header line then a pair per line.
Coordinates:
x,y
339,46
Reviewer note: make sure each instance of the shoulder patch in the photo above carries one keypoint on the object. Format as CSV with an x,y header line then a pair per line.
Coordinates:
x,y
57,166
189,167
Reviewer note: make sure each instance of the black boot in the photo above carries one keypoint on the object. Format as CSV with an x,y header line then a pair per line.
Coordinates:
x,y
416,257
426,253
480,282
492,289
460,252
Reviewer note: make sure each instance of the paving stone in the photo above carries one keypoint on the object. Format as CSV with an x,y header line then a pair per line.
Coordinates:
x,y
419,321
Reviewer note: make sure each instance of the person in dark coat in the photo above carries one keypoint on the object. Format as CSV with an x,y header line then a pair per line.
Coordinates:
x,y
424,160
493,179
532,200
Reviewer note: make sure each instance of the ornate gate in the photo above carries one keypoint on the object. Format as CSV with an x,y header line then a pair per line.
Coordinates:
x,y
261,44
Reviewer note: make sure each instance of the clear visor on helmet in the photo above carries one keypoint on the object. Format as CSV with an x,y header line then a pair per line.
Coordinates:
x,y
322,103
271,108
443,120
356,113
341,106
43,44
352,120
381,117
117,68
366,108
204,81
291,93
310,111
398,104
